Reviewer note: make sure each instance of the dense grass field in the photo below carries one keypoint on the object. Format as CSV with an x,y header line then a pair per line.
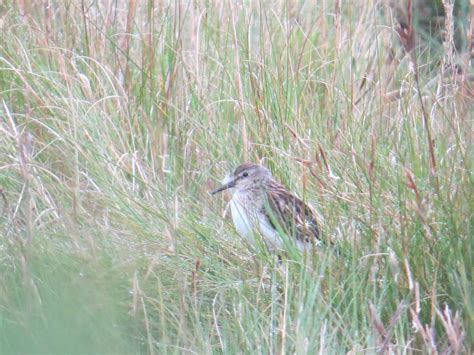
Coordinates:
x,y
118,117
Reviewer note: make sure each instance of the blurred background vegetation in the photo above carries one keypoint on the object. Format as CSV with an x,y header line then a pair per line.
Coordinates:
x,y
118,117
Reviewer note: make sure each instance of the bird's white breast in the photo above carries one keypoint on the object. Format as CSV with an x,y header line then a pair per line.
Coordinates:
x,y
242,219
249,222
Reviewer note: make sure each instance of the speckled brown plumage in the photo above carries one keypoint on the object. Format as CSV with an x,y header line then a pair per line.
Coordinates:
x,y
291,214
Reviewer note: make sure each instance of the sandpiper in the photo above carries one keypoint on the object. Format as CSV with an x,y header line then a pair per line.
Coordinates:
x,y
260,204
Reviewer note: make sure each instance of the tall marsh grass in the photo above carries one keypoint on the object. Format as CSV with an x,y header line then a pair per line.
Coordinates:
x,y
118,117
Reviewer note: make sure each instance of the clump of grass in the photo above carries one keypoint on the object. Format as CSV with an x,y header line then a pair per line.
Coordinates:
x,y
116,121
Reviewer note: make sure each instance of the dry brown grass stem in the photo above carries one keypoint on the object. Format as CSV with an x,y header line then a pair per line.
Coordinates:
x,y
407,35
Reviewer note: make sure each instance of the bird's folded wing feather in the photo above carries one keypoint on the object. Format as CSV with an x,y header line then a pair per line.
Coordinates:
x,y
292,215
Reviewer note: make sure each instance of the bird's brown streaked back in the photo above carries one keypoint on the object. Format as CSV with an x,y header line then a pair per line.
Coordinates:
x,y
292,214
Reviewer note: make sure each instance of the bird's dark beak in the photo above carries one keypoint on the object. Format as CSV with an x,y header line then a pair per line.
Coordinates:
x,y
224,187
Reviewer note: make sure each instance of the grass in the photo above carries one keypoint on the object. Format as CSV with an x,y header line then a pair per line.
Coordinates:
x,y
118,118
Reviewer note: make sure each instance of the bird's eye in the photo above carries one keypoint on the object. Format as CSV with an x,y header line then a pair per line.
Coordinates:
x,y
245,174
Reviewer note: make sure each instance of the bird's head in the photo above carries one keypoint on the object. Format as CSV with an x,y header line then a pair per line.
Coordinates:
x,y
247,176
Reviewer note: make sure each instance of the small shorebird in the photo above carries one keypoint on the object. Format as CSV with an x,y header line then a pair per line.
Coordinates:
x,y
260,203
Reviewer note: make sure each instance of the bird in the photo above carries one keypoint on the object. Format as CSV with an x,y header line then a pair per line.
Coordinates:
x,y
261,205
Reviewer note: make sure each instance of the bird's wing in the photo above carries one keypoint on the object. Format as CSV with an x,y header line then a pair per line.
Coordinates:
x,y
292,215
